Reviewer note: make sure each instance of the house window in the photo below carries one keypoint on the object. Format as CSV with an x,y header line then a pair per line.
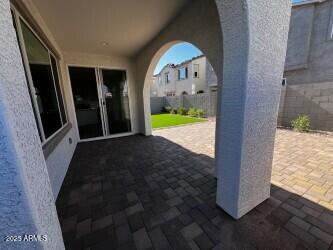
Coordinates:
x,y
171,93
167,78
182,73
196,70
43,80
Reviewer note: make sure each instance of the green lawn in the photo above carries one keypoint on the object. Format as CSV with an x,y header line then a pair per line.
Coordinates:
x,y
169,120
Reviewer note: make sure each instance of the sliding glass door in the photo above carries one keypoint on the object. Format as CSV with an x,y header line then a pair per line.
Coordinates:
x,y
115,100
86,101
101,101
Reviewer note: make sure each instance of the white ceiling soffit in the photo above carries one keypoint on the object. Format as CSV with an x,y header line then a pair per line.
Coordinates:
x,y
108,27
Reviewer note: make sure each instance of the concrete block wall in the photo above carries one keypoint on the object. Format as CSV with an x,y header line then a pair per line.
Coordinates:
x,y
157,104
207,102
174,101
314,100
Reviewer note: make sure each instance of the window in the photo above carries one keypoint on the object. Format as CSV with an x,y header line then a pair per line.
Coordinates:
x,y
284,81
167,78
25,72
42,76
196,70
182,73
171,93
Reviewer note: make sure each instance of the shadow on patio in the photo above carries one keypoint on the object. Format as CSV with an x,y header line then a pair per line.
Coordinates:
x,y
148,192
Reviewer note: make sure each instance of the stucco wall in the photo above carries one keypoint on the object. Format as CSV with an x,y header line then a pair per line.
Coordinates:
x,y
191,85
27,204
200,82
319,53
171,85
184,84
58,161
299,40
211,76
309,66
254,45
184,27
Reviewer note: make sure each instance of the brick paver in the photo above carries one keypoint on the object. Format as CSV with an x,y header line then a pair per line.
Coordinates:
x,y
158,192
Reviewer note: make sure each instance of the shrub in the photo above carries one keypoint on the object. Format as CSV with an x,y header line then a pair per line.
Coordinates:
x,y
200,112
301,123
173,111
166,109
192,112
182,111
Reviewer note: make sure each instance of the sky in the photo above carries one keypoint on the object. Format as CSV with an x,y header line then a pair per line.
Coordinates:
x,y
182,52
177,54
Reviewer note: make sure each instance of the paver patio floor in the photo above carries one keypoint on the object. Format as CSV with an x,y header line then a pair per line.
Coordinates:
x,y
158,192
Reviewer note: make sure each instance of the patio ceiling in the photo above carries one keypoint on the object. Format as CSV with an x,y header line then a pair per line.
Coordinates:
x,y
126,26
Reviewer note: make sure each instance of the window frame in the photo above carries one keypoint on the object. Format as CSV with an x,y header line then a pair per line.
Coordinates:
x,y
185,68
18,17
196,71
166,77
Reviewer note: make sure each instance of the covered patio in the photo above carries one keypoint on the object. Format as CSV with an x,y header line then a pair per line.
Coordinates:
x,y
159,192
80,70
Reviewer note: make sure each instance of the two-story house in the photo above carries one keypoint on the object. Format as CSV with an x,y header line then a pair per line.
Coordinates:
x,y
193,76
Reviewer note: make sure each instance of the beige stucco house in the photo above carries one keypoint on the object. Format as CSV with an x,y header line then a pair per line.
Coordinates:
x,y
186,78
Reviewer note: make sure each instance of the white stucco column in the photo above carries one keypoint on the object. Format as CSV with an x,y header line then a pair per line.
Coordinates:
x,y
26,200
255,40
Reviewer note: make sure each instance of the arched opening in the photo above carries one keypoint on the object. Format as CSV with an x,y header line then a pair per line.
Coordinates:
x,y
180,84
182,77
182,87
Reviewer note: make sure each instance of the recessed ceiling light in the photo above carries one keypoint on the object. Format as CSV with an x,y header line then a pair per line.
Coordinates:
x,y
105,43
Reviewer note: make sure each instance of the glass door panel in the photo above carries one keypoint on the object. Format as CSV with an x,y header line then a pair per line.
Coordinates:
x,y
86,101
115,100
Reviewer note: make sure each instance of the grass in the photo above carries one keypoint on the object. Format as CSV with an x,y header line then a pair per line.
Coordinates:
x,y
170,120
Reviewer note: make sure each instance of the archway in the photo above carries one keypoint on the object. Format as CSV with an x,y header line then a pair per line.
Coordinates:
x,y
249,56
182,74
254,45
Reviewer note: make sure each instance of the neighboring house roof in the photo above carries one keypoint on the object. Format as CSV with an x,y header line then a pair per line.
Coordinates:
x,y
171,65
308,2
188,61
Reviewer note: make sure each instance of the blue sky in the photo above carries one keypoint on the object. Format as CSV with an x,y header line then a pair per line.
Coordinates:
x,y
177,54
181,52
